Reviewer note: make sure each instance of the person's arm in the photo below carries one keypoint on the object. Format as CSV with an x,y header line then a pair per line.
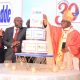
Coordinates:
x,y
73,43
1,37
6,38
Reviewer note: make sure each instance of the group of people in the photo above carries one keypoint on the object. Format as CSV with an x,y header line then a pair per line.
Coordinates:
x,y
65,39
12,38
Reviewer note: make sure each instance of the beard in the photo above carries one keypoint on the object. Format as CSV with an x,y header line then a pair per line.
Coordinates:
x,y
18,26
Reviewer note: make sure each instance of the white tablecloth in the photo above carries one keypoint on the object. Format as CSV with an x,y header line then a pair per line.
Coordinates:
x,y
35,72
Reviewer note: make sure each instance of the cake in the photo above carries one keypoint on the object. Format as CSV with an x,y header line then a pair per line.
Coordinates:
x,y
34,46
35,35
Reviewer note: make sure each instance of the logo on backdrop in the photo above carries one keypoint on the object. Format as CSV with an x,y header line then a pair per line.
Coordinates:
x,y
62,6
5,13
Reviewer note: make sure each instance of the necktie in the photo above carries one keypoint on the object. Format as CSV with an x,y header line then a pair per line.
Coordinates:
x,y
15,39
16,34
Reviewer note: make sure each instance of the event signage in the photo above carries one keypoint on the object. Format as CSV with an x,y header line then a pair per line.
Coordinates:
x,y
5,13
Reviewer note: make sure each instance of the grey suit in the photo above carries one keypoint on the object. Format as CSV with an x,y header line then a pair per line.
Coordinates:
x,y
8,39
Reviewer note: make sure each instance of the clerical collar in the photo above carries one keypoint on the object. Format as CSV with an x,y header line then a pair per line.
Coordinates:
x,y
66,29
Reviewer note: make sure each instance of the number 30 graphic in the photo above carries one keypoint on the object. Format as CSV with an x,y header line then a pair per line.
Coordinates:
x,y
72,5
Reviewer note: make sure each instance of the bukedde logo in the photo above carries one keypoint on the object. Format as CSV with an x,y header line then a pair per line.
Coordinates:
x,y
5,13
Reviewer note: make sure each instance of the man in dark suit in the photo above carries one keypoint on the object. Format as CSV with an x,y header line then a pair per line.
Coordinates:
x,y
9,41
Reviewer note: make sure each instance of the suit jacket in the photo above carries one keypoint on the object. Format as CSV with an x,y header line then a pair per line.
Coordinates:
x,y
8,39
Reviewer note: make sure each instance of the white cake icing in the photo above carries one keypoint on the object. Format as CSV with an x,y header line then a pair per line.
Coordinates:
x,y
34,46
36,18
35,34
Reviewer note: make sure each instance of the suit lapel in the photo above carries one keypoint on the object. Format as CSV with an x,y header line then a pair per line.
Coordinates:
x,y
11,33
